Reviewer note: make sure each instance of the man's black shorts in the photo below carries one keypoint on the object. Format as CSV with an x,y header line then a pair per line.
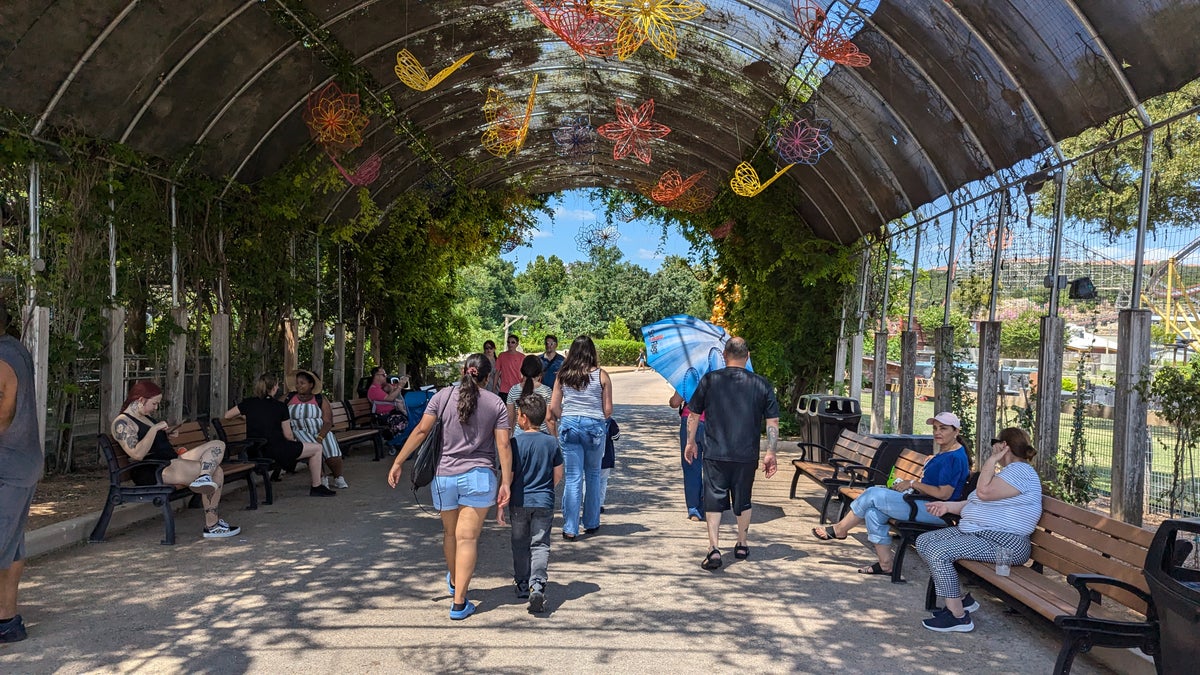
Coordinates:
x,y
728,485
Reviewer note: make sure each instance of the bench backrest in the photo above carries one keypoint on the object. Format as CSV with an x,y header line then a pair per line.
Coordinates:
x,y
856,448
341,417
231,430
1072,540
114,456
360,411
910,464
188,435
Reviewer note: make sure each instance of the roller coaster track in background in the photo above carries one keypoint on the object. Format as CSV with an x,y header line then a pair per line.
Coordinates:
x,y
1166,295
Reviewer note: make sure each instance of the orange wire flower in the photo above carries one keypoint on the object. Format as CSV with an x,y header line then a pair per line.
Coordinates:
x,y
577,23
828,41
671,186
633,130
652,20
745,179
335,119
695,200
505,134
412,73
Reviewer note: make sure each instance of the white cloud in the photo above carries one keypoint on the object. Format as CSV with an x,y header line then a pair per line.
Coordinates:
x,y
648,254
540,234
573,215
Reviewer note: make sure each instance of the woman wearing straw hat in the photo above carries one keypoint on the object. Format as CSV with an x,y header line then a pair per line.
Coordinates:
x,y
312,420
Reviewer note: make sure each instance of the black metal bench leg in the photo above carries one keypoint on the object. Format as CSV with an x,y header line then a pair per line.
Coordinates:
x,y
825,504
268,489
378,441
930,596
795,481
1073,643
168,520
898,559
101,527
253,491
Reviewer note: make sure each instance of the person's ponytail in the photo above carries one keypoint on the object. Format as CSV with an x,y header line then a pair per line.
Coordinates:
x,y
966,448
475,370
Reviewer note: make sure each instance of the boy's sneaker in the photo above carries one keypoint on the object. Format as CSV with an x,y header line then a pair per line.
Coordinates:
x,y
339,483
945,622
522,589
970,604
321,491
221,529
13,630
460,614
204,485
325,481
537,598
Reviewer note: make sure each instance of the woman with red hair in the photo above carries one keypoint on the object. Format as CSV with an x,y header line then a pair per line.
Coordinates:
x,y
199,468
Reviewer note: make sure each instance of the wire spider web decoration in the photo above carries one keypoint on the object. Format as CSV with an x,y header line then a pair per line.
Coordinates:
x,y
600,235
575,138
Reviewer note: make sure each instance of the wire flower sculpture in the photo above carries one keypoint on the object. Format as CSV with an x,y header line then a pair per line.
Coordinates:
x,y
506,134
335,119
723,230
602,235
576,138
672,186
412,73
652,20
579,24
633,130
802,140
627,212
365,174
745,180
829,39
696,200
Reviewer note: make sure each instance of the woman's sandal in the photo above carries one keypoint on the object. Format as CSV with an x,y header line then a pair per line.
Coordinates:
x,y
875,568
826,534
712,561
741,551
570,537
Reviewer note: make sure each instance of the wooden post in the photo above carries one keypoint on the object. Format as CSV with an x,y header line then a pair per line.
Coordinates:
x,y
112,367
1048,411
36,336
359,352
988,381
879,384
290,346
339,361
176,367
218,390
1130,437
318,349
908,381
943,366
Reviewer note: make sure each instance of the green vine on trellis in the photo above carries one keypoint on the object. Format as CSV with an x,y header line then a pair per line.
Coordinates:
x,y
1076,482
1176,390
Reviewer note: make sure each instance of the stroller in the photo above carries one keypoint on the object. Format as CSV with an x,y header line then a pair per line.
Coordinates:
x,y
414,402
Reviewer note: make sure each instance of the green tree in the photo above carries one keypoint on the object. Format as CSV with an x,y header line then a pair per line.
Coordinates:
x,y
1021,337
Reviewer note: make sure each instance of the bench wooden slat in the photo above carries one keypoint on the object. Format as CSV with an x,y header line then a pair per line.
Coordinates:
x,y
1138,535
1121,550
1066,558
345,433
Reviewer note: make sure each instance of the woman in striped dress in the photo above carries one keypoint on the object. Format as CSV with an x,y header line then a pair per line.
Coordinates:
x,y
312,420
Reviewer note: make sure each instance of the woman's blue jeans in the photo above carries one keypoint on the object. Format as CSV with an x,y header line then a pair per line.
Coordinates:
x,y
693,474
878,504
582,440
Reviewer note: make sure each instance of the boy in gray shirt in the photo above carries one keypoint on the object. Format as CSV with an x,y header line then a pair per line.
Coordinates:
x,y
537,468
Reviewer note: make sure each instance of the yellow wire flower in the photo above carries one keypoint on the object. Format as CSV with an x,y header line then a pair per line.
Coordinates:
x,y
412,73
745,180
652,20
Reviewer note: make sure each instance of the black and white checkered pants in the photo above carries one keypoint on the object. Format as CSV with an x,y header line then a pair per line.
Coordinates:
x,y
940,548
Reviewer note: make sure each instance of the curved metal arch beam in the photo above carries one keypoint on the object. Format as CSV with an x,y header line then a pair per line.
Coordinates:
x,y
1117,72
79,64
163,81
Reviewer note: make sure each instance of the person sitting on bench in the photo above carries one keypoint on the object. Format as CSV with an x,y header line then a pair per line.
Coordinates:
x,y
199,468
944,476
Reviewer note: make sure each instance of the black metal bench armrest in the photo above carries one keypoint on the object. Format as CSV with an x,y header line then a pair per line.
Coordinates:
x,y
804,451
861,476
914,502
1083,582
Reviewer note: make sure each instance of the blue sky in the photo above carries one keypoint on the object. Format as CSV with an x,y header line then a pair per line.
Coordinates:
x,y
640,241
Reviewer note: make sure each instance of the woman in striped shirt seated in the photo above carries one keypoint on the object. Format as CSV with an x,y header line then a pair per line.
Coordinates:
x,y
996,521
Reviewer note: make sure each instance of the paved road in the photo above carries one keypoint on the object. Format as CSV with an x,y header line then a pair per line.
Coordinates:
x,y
355,584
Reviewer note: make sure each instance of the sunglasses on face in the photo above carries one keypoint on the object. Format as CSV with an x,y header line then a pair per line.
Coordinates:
x,y
996,441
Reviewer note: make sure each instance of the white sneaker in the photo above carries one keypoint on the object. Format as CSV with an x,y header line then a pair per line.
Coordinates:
x,y
204,485
340,483
325,481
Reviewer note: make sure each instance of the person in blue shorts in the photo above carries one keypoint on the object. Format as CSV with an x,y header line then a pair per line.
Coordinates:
x,y
537,468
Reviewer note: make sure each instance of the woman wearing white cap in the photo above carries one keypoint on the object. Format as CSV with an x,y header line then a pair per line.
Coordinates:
x,y
943,478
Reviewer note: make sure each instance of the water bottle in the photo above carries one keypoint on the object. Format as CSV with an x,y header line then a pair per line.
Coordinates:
x,y
1003,557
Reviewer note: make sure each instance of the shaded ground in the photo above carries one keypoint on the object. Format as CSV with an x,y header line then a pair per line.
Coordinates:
x,y
355,584
64,497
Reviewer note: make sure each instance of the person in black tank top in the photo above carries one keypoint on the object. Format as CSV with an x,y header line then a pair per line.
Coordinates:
x,y
267,418
199,468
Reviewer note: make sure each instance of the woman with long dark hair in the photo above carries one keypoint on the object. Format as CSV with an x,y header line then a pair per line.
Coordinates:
x,y
531,383
582,403
199,468
474,438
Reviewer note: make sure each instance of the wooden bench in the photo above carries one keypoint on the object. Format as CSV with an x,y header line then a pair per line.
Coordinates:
x,y
240,448
1085,575
122,490
851,449
361,414
348,436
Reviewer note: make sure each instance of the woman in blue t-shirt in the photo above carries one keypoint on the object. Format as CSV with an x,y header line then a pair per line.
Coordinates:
x,y
943,478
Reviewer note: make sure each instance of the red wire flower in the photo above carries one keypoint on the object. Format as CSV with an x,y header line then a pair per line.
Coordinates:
x,y
828,41
671,186
633,130
577,23
803,141
723,230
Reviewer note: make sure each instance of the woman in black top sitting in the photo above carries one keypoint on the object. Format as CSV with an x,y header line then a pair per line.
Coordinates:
x,y
267,418
199,468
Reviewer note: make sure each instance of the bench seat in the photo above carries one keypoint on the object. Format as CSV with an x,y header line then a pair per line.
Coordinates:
x,y
828,466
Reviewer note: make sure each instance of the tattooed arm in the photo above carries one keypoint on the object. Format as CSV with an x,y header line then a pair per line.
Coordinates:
x,y
770,466
124,430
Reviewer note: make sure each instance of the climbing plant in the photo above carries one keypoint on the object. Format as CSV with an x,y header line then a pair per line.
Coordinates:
x,y
1175,389
1076,481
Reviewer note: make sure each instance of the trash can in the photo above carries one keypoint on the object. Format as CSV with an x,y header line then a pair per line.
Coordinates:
x,y
1176,593
804,417
831,414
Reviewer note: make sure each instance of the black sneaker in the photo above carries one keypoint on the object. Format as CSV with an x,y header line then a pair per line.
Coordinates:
x,y
13,630
970,604
945,622
537,598
522,588
321,491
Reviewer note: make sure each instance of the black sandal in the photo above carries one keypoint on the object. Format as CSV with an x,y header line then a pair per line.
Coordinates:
x,y
875,568
712,561
826,534
741,551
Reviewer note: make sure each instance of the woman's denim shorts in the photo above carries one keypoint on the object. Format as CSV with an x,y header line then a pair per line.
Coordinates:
x,y
475,488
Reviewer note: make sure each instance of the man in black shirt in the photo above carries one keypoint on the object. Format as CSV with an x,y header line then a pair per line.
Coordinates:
x,y
734,402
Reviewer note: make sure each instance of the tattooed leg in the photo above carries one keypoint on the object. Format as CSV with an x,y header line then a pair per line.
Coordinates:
x,y
212,459
210,514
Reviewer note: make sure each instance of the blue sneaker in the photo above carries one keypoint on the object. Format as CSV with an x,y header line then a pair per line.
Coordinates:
x,y
946,622
970,604
449,585
13,630
460,614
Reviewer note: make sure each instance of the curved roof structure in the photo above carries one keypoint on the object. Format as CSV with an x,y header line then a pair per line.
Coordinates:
x,y
956,89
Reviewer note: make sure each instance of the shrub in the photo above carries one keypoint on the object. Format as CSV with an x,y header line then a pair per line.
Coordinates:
x,y
618,352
